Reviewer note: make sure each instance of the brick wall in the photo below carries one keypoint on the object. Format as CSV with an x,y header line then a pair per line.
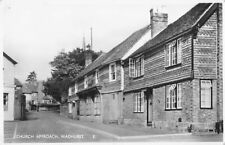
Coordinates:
x,y
129,116
189,114
112,107
169,119
204,118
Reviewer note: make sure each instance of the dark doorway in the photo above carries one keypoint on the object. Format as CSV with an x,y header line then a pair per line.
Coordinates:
x,y
149,97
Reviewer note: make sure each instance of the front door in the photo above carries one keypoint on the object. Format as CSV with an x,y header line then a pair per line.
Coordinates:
x,y
149,107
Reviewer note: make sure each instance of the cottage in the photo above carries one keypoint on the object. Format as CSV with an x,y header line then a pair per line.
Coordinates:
x,y
13,100
100,85
175,79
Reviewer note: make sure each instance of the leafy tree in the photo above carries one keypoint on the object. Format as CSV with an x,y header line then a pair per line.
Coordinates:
x,y
32,77
66,67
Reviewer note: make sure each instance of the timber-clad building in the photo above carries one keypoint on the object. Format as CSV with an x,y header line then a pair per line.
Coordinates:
x,y
162,76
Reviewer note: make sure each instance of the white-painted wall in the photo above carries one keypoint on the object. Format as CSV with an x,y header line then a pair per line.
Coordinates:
x,y
9,87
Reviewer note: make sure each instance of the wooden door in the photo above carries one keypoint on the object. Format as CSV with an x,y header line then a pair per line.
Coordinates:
x,y
149,107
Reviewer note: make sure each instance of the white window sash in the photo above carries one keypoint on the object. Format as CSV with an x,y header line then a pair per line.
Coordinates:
x,y
167,98
135,102
179,96
142,65
142,101
179,50
112,72
206,94
131,67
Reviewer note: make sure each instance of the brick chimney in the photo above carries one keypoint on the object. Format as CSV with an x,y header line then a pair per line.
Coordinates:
x,y
158,21
88,56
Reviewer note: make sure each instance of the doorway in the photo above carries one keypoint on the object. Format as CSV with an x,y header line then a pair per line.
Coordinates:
x,y
149,96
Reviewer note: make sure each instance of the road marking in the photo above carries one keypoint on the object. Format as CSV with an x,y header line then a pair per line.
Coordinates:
x,y
15,131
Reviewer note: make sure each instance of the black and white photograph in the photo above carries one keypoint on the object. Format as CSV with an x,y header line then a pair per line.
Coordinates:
x,y
112,71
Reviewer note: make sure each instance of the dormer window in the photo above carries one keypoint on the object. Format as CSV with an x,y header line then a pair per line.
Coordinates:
x,y
173,53
112,72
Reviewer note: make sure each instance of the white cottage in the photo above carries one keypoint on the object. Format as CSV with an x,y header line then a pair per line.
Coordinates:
x,y
9,86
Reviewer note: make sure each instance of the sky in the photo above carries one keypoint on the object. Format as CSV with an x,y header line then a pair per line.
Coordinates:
x,y
35,31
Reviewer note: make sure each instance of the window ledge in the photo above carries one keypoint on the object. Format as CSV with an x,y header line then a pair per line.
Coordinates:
x,y
173,109
206,108
112,80
138,112
134,78
173,66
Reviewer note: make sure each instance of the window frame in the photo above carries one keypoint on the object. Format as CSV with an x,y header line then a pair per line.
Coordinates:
x,y
211,97
172,103
138,102
85,82
111,73
136,67
6,101
97,76
173,53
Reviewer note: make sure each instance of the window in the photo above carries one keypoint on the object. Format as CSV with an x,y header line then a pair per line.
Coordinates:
x,y
96,76
5,101
173,97
112,72
173,52
85,82
136,67
97,105
138,102
206,94
76,88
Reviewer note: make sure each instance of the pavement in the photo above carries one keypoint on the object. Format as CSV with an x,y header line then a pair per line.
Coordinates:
x,y
51,127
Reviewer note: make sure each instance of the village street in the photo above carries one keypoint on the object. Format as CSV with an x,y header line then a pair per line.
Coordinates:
x,y
50,127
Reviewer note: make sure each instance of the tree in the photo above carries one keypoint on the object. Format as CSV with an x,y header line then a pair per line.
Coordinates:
x,y
65,67
32,77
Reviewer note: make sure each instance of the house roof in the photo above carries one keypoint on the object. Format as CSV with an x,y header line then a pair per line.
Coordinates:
x,y
17,82
183,24
9,58
116,53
